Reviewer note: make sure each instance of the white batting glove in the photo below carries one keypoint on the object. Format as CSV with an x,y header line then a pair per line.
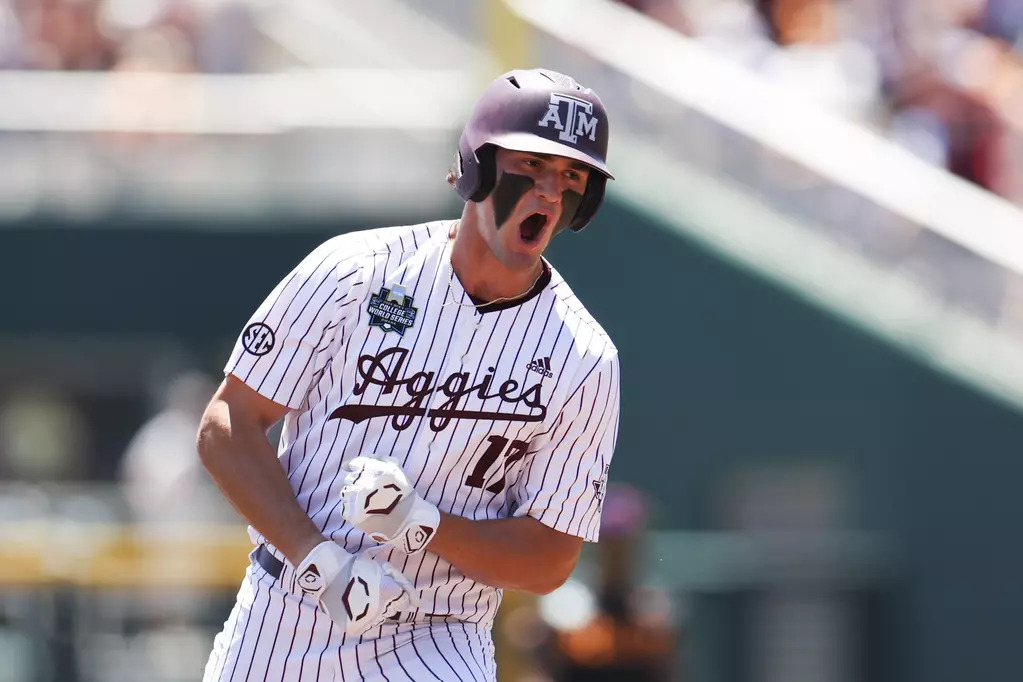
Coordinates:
x,y
379,500
357,593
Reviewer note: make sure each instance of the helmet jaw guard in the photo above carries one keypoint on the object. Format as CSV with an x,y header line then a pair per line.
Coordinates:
x,y
535,111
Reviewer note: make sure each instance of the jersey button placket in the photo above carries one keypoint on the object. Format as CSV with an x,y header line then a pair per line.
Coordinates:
x,y
455,360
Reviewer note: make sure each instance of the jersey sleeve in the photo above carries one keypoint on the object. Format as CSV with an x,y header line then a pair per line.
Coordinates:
x,y
562,485
284,344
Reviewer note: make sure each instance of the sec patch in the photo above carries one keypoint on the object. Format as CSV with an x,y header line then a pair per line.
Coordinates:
x,y
258,339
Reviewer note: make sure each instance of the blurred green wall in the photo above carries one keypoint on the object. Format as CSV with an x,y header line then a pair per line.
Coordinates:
x,y
720,370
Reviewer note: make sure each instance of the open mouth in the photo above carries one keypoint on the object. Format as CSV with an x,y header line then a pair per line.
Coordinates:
x,y
531,228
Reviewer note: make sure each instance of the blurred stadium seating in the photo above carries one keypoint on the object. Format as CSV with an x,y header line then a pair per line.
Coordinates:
x,y
842,513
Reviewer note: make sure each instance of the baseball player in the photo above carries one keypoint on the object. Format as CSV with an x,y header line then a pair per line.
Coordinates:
x,y
450,411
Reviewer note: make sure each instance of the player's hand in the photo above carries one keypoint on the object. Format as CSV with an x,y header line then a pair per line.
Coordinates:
x,y
357,593
379,500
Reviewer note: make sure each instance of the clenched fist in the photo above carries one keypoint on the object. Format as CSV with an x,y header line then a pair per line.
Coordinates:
x,y
357,593
378,499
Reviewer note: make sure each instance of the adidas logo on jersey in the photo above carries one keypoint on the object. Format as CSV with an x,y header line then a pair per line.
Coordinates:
x,y
541,366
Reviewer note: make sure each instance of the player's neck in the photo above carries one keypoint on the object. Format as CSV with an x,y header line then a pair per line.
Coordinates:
x,y
480,272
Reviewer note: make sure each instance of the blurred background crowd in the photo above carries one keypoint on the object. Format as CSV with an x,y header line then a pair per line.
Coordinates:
x,y
743,572
109,35
943,78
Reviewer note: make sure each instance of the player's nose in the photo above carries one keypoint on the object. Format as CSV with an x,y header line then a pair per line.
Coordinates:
x,y
548,186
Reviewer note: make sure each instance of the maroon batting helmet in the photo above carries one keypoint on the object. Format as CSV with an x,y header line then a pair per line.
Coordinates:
x,y
539,111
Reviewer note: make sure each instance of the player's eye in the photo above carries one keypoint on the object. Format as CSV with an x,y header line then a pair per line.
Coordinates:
x,y
574,176
531,162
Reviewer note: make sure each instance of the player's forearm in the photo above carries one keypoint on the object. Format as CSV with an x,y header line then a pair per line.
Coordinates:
x,y
515,553
244,465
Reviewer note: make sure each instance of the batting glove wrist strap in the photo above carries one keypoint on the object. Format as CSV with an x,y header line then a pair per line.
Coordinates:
x,y
420,526
356,593
320,567
379,500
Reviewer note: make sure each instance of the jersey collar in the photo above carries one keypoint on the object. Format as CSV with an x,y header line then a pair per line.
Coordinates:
x,y
540,285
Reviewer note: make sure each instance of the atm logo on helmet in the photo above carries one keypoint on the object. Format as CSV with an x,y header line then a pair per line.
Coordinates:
x,y
578,118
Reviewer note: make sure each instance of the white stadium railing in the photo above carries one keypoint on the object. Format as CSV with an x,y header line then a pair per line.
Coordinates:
x,y
218,104
307,140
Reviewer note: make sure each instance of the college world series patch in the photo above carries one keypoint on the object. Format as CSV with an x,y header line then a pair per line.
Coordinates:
x,y
392,310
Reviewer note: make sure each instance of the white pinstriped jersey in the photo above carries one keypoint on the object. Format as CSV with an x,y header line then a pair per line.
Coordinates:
x,y
511,410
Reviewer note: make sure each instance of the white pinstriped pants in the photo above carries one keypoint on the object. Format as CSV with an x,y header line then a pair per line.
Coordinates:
x,y
275,634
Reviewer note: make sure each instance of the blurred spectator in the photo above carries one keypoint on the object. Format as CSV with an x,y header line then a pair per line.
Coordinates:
x,y
11,46
97,35
162,478
624,630
668,12
1002,19
161,102
226,40
820,58
965,87
65,35
804,46
942,78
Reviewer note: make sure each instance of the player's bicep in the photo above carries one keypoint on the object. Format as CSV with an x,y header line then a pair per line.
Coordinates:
x,y
235,412
563,548
244,403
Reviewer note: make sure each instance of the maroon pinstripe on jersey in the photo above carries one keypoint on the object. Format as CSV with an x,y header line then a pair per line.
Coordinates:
x,y
510,410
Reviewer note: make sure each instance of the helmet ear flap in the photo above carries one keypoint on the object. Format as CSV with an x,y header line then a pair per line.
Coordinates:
x,y
476,173
592,197
487,166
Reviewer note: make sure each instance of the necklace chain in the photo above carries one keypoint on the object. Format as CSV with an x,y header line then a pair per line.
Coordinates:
x,y
477,306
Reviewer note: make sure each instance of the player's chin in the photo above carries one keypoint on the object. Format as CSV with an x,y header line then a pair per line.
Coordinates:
x,y
520,260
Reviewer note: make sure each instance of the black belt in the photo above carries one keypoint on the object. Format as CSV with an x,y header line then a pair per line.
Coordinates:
x,y
268,562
